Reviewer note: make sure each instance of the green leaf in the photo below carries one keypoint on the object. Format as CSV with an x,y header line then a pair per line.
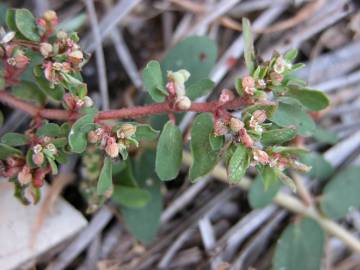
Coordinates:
x,y
105,178
56,93
7,151
301,246
10,19
341,194
290,55
311,99
249,52
145,132
321,169
130,196
153,81
270,109
204,157
288,115
144,222
199,88
290,150
169,152
26,24
53,166
238,164
14,139
277,136
28,91
259,196
49,129
196,54
325,136
78,133
216,142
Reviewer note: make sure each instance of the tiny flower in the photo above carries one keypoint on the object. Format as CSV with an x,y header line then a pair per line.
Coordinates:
x,y
61,35
179,78
45,49
236,124
80,103
126,131
112,149
276,78
57,66
248,84
38,158
93,137
261,156
88,102
50,15
11,61
37,149
245,138
99,132
25,176
220,128
280,64
182,103
51,148
226,96
261,84
75,57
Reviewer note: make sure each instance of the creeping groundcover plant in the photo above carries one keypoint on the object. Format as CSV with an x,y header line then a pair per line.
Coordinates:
x,y
252,128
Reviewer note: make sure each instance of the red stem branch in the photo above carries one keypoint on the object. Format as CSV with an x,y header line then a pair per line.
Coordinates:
x,y
124,113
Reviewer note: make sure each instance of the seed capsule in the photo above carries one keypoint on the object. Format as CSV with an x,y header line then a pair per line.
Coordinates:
x,y
25,176
112,149
126,131
236,124
38,158
245,138
45,49
182,103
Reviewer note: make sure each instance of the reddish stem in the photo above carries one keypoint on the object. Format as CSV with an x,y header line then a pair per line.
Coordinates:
x,y
124,113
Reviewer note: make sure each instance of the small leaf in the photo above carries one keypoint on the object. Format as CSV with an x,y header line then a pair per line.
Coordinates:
x,y
216,142
78,133
53,166
7,151
311,99
321,169
204,157
130,196
199,88
145,132
105,178
153,81
169,152
26,25
270,109
249,52
56,93
290,55
28,91
14,139
341,194
49,129
290,150
288,115
301,246
277,136
325,136
196,54
10,19
258,195
239,163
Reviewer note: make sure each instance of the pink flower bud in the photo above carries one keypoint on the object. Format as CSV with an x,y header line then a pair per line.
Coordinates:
x,y
38,158
226,96
42,23
261,156
38,179
14,162
21,61
25,176
93,137
170,86
61,35
248,84
182,103
69,100
112,149
75,57
236,124
50,15
245,138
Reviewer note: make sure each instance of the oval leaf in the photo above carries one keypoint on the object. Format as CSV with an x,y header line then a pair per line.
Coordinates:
x,y
7,151
341,194
14,139
105,178
277,136
153,81
300,247
238,164
130,196
26,25
311,99
169,152
78,133
204,157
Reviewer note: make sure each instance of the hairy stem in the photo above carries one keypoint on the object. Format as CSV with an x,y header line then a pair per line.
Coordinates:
x,y
124,113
